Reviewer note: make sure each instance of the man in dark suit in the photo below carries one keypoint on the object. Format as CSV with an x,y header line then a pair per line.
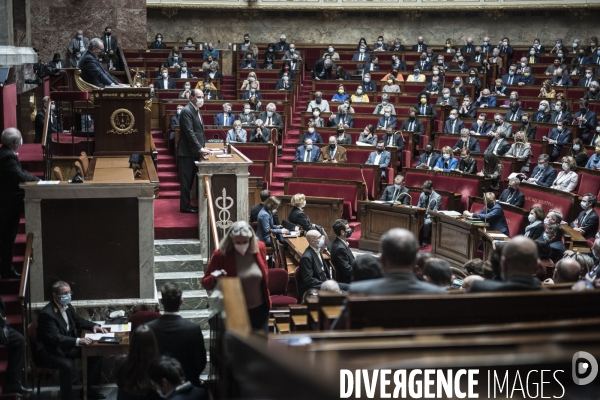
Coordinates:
x,y
469,47
561,79
362,55
253,91
480,127
587,221
560,113
226,118
493,213
420,46
466,141
191,147
314,270
165,81
511,78
158,43
91,69
453,125
110,41
430,200
499,146
396,192
428,159
57,63
371,66
271,117
398,63
184,72
587,79
412,124
423,64
168,377
260,134
177,337
512,195
322,69
308,152
59,341
249,62
342,117
543,174
11,198
586,119
368,85
424,107
398,249
387,119
40,118
390,138
175,121
341,255
282,45
15,349
559,137
518,264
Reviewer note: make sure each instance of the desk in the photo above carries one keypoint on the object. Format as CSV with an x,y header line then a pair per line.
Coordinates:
x,y
377,218
101,350
454,239
113,175
573,238
487,239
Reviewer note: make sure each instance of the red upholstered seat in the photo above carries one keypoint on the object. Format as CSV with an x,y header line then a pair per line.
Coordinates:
x,y
278,283
347,192
352,174
546,200
142,317
261,171
541,131
257,152
588,183
444,141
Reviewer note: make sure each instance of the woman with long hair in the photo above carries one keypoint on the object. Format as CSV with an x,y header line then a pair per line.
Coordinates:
x,y
492,168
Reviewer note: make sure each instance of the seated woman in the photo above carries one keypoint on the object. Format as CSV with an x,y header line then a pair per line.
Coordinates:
x,y
368,136
543,113
446,162
467,164
342,137
527,127
311,134
251,78
341,95
520,149
578,153
265,222
341,74
360,95
316,119
474,79
131,371
535,229
458,88
298,217
395,73
391,85
492,168
547,91
567,179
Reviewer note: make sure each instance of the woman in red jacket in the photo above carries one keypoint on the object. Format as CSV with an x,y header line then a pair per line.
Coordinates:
x,y
241,254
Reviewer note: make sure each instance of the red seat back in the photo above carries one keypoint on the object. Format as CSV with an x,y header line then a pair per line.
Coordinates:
x,y
142,317
278,281
588,183
546,200
351,174
348,192
256,153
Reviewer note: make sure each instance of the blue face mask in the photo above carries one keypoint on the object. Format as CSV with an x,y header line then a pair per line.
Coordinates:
x,y
545,236
65,299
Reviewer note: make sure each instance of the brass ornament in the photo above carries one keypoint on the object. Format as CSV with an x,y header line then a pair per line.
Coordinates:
x,y
224,221
495,14
169,12
122,121
148,105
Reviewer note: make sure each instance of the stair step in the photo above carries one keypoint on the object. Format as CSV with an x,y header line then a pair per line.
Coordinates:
x,y
192,299
287,159
186,280
169,194
282,175
283,168
277,186
169,186
178,263
164,177
166,168
170,247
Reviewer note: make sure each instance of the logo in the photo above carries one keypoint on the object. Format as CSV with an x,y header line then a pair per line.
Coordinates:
x,y
122,121
585,368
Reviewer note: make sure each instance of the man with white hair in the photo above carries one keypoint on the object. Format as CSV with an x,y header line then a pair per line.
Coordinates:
x,y
260,134
91,69
237,134
512,195
282,45
319,103
330,286
271,117
11,198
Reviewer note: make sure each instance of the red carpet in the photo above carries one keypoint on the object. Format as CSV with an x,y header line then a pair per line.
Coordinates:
x,y
169,223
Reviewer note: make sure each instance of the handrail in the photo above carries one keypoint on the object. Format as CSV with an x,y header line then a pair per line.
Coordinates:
x,y
46,123
125,67
211,212
25,298
26,265
46,147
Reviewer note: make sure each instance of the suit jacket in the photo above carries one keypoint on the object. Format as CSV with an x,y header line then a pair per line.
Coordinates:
x,y
257,208
39,125
395,282
418,127
515,115
275,120
157,45
473,145
589,223
93,73
485,128
528,80
398,142
564,80
452,164
506,126
315,137
247,119
540,116
470,113
314,154
451,100
282,46
431,88
547,176
393,122
429,110
313,271
423,65
246,95
160,84
432,159
515,283
339,156
349,120
189,74
241,136
182,340
266,135
495,218
53,337
566,181
390,193
458,125
110,43
220,119
249,65
172,62
283,85
434,202
366,57
589,125
491,101
384,159
174,122
191,129
468,166
415,47
11,175
563,139
502,150
367,69
342,259
517,199
74,46
583,82
369,87
506,78
319,70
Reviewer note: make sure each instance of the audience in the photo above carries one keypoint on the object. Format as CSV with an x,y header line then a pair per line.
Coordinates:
x,y
169,381
438,272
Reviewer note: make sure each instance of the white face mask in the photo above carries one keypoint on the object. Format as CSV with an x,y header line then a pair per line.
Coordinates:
x,y
321,242
199,102
241,248
164,75
531,218
304,202
187,87
311,130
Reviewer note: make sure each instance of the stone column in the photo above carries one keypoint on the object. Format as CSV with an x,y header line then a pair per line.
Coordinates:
x,y
6,23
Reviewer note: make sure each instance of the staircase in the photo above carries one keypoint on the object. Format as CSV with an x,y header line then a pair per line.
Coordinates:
x,y
229,87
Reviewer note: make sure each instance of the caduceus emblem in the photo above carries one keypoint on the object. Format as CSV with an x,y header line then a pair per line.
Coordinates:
x,y
224,221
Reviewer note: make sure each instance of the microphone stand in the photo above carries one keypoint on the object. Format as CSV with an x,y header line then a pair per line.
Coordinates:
x,y
404,194
485,219
393,197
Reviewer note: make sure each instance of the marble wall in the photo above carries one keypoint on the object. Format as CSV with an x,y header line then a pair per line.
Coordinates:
x,y
348,27
54,22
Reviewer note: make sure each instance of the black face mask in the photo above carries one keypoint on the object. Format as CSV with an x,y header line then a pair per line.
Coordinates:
x,y
340,131
332,146
428,151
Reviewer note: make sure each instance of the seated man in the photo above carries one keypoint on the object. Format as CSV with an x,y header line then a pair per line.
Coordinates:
x,y
485,99
264,195
561,79
554,236
59,340
387,119
527,78
438,273
428,159
237,134
322,69
466,141
368,85
308,152
341,255
559,137
178,337
543,174
91,68
184,73
260,134
314,270
511,78
333,153
165,81
453,125
362,55
467,108
412,124
385,102
553,217
271,117
398,257
381,157
587,221
512,195
435,86
226,118
247,117
390,138
175,121
40,119
586,119
499,122
341,117
168,377
396,192
430,200
447,100
15,348
567,270
253,91
249,62
492,212
518,264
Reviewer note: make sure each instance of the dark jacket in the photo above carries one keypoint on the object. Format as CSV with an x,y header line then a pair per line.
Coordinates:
x,y
391,194
495,218
188,392
298,217
397,282
512,284
468,166
432,159
11,175
517,199
93,73
39,125
473,145
546,178
589,223
418,127
182,340
191,129
256,209
342,259
312,272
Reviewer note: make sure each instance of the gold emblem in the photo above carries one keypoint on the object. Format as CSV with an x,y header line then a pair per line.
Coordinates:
x,y
122,121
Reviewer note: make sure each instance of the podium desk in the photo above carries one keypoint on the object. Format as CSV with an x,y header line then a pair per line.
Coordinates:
x,y
455,240
377,218
488,239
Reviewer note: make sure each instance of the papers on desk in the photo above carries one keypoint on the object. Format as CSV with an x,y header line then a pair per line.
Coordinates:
x,y
48,182
118,328
364,144
97,336
378,201
451,213
292,234
496,235
224,156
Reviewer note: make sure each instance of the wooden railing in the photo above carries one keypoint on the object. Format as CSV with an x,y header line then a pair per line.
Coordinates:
x,y
47,145
125,67
25,295
212,221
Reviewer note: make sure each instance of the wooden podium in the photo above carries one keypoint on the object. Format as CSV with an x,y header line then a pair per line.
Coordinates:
x,y
122,121
454,239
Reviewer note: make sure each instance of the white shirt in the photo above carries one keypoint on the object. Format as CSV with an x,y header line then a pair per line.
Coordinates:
x,y
184,75
377,158
63,312
498,143
166,83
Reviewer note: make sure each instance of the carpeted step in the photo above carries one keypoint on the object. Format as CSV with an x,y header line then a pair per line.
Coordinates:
x,y
163,167
284,168
287,159
169,194
169,186
10,285
168,177
289,151
280,176
169,223
166,158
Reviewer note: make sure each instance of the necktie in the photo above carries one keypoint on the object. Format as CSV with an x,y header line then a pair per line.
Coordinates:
x,y
582,220
479,129
391,141
420,48
361,57
423,110
515,115
587,83
331,153
269,123
385,123
510,80
411,127
539,118
307,155
558,116
226,120
539,173
453,126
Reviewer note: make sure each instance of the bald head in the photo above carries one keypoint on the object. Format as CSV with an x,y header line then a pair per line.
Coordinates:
x,y
312,237
519,257
567,270
398,249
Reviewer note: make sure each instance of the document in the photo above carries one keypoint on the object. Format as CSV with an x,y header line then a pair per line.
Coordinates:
x,y
97,336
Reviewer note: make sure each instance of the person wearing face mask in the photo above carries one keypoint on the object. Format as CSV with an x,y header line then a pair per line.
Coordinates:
x,y
158,42
333,153
467,164
285,83
184,72
247,117
368,136
542,174
342,137
594,161
269,63
260,134
412,124
368,85
447,100
189,44
396,193
513,195
319,103
291,52
341,256
391,138
282,45
226,118
553,236
185,93
473,79
535,229
397,46
558,137
520,149
515,111
467,108
58,341
74,59
416,76
435,84
79,43
586,222
109,40
578,153
496,59
341,94
466,142
453,125
385,101
567,179
308,152
480,127
428,159
532,57
586,119
168,379
322,69
499,122
249,62
505,48
92,70
175,58
486,99
493,213
387,120
391,85
253,91
458,88
526,126
11,198
298,217
165,81
492,168
341,118
316,119
593,92
360,95
40,119
446,162
588,79
380,45
380,157
423,107
420,46
175,121
243,254
286,69
362,55
331,53
561,78
527,77
499,146
431,201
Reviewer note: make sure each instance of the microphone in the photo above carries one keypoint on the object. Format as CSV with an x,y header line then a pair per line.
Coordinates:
x,y
393,197
405,193
363,175
485,218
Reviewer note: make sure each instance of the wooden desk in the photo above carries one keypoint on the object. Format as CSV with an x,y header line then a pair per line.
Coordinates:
x,y
488,242
112,162
573,238
454,239
113,175
377,218
101,350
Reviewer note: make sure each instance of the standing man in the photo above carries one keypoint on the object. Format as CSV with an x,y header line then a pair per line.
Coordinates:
x,y
191,147
91,69
11,198
341,255
110,41
381,157
79,44
430,200
40,118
